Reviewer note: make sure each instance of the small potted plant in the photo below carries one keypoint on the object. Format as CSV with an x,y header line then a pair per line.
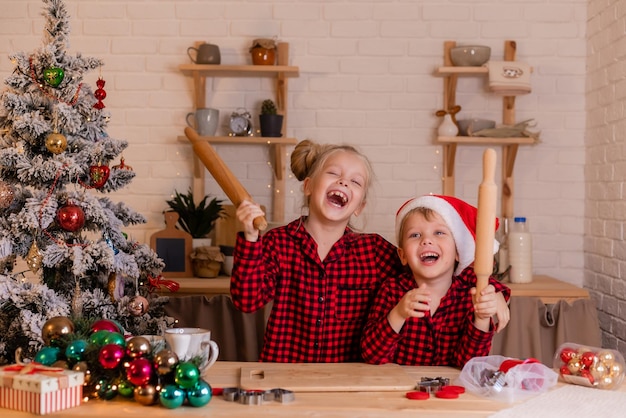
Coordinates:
x,y
197,220
271,122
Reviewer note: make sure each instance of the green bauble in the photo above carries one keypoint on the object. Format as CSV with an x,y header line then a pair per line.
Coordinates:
x,y
200,394
186,375
48,355
75,350
98,338
171,396
114,338
125,388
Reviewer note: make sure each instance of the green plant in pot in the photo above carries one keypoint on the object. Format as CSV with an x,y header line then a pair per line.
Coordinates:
x,y
271,122
198,220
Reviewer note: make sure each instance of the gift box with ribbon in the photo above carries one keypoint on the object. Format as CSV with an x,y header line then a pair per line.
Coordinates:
x,y
39,389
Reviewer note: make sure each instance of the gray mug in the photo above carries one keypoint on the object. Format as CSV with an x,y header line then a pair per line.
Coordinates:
x,y
205,121
205,54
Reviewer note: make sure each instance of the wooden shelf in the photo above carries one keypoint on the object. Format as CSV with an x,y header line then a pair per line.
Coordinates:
x,y
280,72
252,140
509,146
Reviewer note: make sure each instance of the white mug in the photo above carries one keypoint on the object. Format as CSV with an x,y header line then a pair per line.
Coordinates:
x,y
204,121
188,343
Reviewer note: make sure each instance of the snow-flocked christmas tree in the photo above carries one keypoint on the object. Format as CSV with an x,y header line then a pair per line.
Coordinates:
x,y
55,171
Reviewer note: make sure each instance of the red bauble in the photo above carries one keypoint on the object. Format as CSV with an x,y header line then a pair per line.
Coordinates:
x,y
111,355
100,94
106,325
99,174
587,359
567,354
139,371
71,217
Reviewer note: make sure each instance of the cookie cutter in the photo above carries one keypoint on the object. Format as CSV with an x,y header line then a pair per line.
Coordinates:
x,y
257,397
432,384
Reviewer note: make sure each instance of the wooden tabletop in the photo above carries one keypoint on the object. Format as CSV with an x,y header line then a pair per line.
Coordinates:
x,y
308,404
549,289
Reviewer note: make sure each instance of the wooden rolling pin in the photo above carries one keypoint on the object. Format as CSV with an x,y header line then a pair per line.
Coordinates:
x,y
486,221
222,174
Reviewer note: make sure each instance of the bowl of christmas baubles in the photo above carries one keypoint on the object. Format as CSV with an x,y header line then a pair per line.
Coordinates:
x,y
593,367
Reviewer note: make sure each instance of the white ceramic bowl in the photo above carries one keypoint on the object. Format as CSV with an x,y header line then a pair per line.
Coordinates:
x,y
476,124
470,55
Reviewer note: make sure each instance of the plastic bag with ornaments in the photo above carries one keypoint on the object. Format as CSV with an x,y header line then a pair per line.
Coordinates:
x,y
507,379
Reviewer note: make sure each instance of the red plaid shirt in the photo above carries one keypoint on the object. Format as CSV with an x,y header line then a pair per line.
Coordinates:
x,y
319,307
448,338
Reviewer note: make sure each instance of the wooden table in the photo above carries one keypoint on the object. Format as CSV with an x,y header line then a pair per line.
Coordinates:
x,y
548,289
311,404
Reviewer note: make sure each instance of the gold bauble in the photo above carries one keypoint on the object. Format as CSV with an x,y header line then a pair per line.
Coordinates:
x,y
598,371
56,327
138,347
165,361
82,366
616,370
606,382
34,258
56,143
607,357
146,395
574,366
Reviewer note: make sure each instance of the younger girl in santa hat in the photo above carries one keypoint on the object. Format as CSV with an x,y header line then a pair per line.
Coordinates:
x,y
430,314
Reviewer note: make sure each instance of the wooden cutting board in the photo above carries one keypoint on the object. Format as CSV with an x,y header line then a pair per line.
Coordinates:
x,y
326,377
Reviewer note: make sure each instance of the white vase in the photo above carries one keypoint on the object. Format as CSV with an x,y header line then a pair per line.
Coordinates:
x,y
201,242
448,127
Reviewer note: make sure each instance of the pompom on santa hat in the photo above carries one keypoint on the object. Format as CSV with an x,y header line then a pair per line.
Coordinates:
x,y
460,217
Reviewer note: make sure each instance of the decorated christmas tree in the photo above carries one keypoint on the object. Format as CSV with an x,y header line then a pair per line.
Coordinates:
x,y
57,165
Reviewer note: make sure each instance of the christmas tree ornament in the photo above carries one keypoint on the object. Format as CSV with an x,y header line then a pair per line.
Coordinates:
x,y
55,328
75,350
139,371
77,300
146,395
70,217
47,355
34,258
110,356
99,337
186,375
98,175
125,388
200,394
53,76
115,338
165,362
61,364
138,305
106,325
56,143
171,396
7,194
122,165
100,94
83,366
106,390
138,347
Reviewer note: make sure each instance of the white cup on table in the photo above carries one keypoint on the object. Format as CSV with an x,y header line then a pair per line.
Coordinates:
x,y
189,343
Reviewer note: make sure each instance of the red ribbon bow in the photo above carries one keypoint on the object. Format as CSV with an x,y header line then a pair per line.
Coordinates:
x,y
157,282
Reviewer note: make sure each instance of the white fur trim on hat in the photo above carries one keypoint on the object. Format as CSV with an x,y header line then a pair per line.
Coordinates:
x,y
460,218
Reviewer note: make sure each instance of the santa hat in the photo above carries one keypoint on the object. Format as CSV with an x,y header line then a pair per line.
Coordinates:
x,y
460,218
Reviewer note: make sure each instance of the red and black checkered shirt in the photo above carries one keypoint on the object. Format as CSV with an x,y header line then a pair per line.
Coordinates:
x,y
319,307
448,338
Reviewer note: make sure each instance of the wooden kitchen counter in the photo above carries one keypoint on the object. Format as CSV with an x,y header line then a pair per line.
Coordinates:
x,y
548,289
314,404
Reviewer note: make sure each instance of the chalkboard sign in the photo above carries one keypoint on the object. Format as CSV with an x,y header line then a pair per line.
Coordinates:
x,y
174,247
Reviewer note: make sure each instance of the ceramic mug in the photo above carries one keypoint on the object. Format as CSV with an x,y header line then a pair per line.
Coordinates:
x,y
204,121
189,343
205,54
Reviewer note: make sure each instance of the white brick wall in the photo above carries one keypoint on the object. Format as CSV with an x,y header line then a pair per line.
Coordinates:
x,y
365,78
605,171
